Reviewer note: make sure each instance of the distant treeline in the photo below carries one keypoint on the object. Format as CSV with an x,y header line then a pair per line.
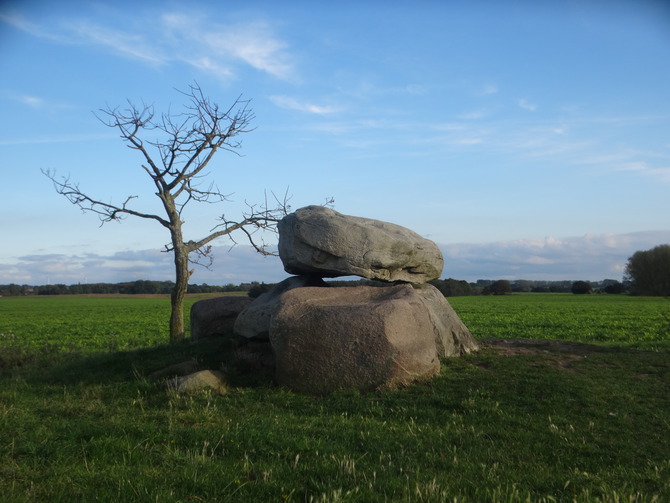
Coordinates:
x,y
458,288
132,287
448,287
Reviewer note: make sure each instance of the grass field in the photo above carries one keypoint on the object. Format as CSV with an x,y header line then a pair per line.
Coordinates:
x,y
81,421
599,319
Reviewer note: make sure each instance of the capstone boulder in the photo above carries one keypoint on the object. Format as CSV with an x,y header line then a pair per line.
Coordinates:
x,y
320,241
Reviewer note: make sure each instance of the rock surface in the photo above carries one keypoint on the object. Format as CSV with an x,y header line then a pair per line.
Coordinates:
x,y
254,321
215,317
318,338
451,335
205,379
319,241
361,338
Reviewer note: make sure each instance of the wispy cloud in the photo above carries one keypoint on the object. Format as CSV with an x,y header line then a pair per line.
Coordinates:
x,y
212,67
65,138
32,101
253,43
363,88
357,127
448,126
467,141
642,167
20,22
189,38
527,105
123,42
294,104
41,103
566,141
475,114
488,90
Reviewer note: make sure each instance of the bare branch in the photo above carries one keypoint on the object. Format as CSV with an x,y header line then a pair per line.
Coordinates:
x,y
107,212
203,257
176,149
256,220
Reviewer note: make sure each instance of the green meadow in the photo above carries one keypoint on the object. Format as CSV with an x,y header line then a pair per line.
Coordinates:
x,y
595,319
525,419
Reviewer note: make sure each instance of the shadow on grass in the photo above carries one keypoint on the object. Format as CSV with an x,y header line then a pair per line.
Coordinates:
x,y
245,367
54,366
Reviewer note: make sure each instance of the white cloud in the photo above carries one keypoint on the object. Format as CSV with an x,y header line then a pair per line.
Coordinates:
x,y
20,22
450,126
414,89
536,260
254,45
526,105
124,42
661,172
58,138
35,102
475,114
218,46
32,101
588,257
468,141
488,90
208,65
237,265
293,104
215,48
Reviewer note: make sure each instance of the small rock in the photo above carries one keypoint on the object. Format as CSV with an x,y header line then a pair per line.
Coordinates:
x,y
205,379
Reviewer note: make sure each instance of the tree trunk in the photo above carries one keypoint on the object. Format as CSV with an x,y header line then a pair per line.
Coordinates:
x,y
178,293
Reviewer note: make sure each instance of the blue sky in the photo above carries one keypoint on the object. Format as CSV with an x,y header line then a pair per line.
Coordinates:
x,y
530,140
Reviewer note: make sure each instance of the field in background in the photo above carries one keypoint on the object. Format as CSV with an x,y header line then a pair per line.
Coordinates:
x,y
113,322
89,323
599,319
80,420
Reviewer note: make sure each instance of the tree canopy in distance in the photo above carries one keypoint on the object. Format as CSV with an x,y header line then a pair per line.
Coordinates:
x,y
649,271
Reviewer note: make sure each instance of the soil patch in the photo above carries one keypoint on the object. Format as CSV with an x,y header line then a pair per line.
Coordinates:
x,y
561,354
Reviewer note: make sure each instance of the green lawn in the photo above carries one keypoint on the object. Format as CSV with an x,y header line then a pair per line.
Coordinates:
x,y
80,420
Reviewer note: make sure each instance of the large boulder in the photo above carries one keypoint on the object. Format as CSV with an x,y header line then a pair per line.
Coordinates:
x,y
321,241
254,321
451,335
361,338
214,317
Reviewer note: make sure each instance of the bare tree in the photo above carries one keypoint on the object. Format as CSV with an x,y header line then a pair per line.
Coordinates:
x,y
175,166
